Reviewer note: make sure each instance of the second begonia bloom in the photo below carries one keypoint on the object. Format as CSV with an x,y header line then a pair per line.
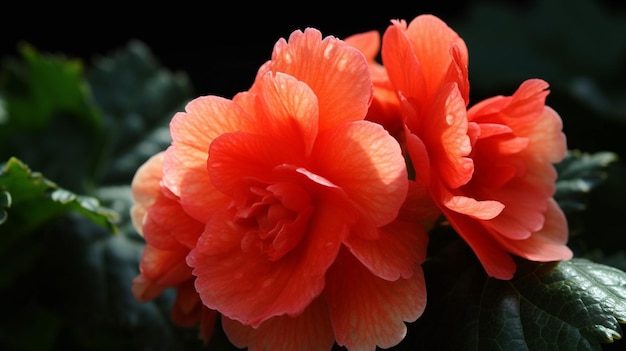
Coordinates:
x,y
490,169
309,230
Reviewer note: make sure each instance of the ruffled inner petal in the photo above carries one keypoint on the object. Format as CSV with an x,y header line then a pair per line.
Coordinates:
x,y
233,264
235,156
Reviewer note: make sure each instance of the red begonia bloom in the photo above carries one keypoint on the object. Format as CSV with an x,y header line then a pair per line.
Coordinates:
x,y
310,233
169,234
489,169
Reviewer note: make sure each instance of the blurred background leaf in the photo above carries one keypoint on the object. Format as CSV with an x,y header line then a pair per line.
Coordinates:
x,y
68,259
49,115
35,200
138,98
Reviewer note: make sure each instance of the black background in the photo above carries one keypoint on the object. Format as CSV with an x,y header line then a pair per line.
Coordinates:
x,y
219,46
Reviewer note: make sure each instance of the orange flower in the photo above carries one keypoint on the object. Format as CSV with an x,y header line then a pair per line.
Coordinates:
x,y
309,230
489,169
169,234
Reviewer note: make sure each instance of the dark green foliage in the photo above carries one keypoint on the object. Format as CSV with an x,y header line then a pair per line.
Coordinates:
x,y
570,305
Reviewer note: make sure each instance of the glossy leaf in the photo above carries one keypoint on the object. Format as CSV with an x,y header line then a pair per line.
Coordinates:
x,y
34,200
570,305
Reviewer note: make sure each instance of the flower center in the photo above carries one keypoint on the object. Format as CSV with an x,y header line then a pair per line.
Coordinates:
x,y
275,216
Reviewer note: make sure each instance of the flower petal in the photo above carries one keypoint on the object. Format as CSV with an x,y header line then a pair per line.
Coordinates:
x,y
187,306
401,245
367,42
335,71
484,210
236,156
526,103
227,275
144,289
496,261
208,319
367,311
167,225
524,212
547,244
184,167
309,331
164,267
188,311
547,143
527,116
290,111
444,132
367,163
418,154
385,108
433,41
402,65
145,188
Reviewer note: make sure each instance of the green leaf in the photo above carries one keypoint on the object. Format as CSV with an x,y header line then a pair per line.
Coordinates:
x,y
87,271
35,200
579,173
49,119
569,305
30,202
5,203
43,85
81,279
617,259
138,97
